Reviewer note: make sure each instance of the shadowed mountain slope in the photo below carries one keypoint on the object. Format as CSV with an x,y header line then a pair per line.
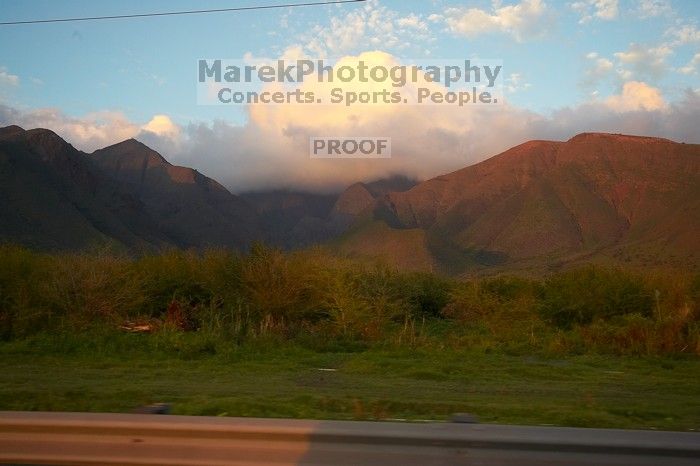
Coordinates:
x,y
539,205
53,198
126,195
554,200
189,207
292,219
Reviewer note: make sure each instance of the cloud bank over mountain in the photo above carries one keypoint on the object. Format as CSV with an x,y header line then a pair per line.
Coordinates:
x,y
271,149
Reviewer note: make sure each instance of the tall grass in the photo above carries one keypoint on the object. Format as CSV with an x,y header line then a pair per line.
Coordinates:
x,y
324,301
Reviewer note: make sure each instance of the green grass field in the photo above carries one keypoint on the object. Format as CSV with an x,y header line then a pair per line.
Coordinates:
x,y
118,373
246,335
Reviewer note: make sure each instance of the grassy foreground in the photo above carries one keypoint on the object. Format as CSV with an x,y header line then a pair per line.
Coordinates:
x,y
312,335
274,381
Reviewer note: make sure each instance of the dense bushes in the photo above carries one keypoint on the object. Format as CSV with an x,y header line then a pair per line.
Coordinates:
x,y
318,298
22,278
426,294
583,295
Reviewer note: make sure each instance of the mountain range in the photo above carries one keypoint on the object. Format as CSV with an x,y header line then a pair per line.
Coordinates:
x,y
539,205
125,196
596,196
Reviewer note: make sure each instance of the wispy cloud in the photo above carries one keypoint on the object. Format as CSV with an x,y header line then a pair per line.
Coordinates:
x,y
595,9
692,66
683,33
523,20
89,132
644,60
597,69
654,8
8,79
369,27
515,82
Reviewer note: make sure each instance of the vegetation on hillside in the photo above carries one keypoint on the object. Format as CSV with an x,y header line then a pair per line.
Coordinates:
x,y
319,300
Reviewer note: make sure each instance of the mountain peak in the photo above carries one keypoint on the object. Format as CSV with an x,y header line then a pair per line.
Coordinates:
x,y
354,201
394,183
130,153
45,142
11,130
617,137
596,192
131,142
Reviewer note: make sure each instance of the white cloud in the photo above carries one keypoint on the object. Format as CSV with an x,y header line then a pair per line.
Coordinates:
x,y
635,63
654,8
284,19
606,9
370,27
515,83
161,134
636,95
528,18
692,66
684,34
624,74
597,69
645,61
7,79
271,149
601,9
412,21
90,132
162,125
291,53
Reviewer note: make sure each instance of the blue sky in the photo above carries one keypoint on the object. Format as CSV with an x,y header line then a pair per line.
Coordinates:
x,y
557,55
145,66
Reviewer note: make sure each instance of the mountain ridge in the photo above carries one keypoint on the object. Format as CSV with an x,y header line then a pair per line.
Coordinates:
x,y
104,202
624,198
55,199
549,197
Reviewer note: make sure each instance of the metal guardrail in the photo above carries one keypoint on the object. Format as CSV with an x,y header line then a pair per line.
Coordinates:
x,y
137,439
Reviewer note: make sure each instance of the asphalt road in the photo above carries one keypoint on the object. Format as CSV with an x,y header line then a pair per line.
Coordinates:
x,y
137,439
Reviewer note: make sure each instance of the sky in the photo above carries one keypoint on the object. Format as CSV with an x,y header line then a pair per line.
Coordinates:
x,y
568,67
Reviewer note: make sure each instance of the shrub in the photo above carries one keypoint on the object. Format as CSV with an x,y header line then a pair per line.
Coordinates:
x,y
22,278
171,276
579,296
277,284
425,294
327,302
508,288
470,303
84,289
